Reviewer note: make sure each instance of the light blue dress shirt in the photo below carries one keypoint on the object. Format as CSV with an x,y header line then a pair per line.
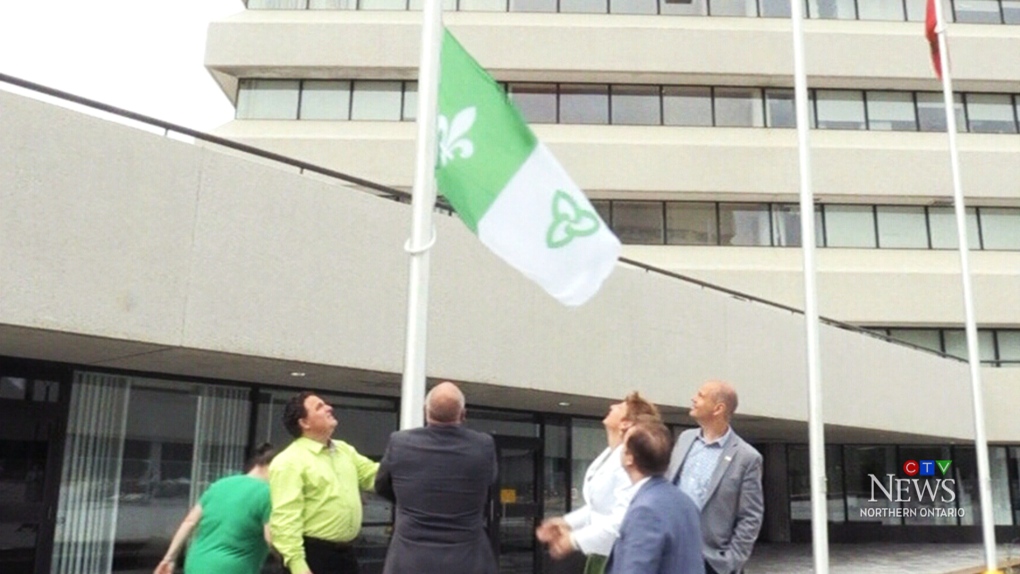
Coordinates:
x,y
696,475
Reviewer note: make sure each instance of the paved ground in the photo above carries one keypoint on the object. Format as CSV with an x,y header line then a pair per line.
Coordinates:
x,y
878,558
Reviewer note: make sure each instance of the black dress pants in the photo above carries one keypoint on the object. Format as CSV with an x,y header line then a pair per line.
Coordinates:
x,y
325,557
710,570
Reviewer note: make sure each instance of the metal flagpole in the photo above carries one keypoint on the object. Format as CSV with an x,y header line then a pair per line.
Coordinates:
x,y
423,199
973,358
816,429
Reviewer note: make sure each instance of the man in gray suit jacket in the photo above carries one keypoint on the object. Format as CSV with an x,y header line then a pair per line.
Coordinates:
x,y
722,474
439,477
659,533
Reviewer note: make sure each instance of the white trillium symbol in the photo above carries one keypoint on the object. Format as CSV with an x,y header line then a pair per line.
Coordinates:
x,y
450,135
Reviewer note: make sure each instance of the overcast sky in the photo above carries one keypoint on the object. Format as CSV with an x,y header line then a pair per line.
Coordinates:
x,y
141,55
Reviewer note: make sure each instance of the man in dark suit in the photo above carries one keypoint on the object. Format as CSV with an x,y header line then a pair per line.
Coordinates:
x,y
660,533
439,477
722,474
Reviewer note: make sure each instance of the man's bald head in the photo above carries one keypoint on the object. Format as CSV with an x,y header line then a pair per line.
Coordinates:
x,y
723,392
444,404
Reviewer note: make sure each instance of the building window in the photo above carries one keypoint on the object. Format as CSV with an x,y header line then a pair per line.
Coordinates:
x,y
638,222
689,223
377,101
532,5
776,9
1008,347
1011,11
929,339
780,109
556,468
744,224
840,109
863,462
604,209
956,344
733,7
683,106
832,9
799,465
633,6
902,227
448,5
849,226
636,105
942,225
587,441
931,113
917,452
537,102
880,10
410,101
692,8
990,114
977,11
584,6
786,225
332,4
267,100
382,5
277,4
140,452
891,111
325,100
916,11
1000,227
584,104
738,107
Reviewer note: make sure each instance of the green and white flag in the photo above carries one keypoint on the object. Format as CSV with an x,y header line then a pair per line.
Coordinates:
x,y
510,190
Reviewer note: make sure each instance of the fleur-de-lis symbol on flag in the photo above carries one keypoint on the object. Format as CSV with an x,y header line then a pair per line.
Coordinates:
x,y
450,134
569,221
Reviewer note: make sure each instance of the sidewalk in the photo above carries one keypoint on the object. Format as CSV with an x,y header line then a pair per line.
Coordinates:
x,y
878,558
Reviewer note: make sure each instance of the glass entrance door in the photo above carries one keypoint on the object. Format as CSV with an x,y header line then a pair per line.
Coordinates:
x,y
29,437
515,506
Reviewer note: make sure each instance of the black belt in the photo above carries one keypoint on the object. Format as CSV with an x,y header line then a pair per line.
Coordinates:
x,y
328,544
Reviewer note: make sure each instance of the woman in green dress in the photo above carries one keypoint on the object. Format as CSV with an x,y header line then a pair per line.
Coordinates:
x,y
232,536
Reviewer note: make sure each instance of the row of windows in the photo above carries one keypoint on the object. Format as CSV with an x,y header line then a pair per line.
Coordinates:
x,y
963,11
836,225
997,347
850,488
642,105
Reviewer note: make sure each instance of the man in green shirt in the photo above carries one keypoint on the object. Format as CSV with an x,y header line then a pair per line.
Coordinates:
x,y
314,484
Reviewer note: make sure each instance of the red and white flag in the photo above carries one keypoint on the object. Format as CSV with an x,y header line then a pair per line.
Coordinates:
x,y
930,24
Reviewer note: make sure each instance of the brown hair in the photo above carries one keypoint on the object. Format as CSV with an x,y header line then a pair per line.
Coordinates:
x,y
262,456
650,444
639,409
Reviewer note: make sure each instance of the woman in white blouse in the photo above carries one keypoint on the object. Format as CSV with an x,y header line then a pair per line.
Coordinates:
x,y
593,528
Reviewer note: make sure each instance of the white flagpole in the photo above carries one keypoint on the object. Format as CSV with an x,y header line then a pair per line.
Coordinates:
x,y
973,358
423,199
816,428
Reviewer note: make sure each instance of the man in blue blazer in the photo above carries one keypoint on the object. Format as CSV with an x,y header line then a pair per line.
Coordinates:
x,y
660,533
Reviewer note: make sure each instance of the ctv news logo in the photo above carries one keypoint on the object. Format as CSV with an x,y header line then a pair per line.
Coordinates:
x,y
926,487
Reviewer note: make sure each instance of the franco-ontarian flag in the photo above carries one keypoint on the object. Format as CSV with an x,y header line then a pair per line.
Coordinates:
x,y
510,190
